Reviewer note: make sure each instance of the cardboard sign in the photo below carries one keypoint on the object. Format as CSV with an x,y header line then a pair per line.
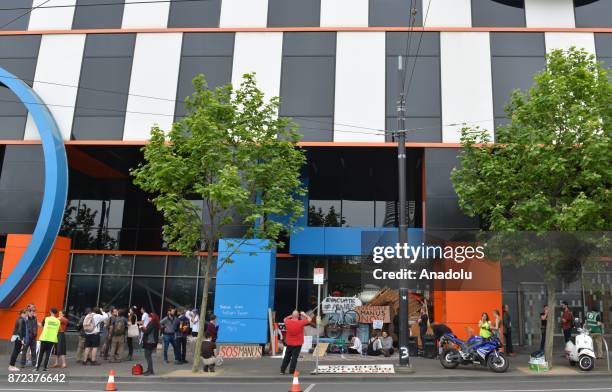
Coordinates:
x,y
307,345
356,369
320,350
337,304
367,314
240,351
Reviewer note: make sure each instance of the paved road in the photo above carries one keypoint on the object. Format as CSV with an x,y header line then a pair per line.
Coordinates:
x,y
598,384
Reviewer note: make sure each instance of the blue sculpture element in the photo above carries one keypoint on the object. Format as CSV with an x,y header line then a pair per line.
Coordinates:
x,y
54,199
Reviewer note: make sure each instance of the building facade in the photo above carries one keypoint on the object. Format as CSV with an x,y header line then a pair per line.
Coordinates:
x,y
110,70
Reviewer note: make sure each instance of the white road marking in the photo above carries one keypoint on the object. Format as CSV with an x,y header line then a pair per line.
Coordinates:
x,y
310,388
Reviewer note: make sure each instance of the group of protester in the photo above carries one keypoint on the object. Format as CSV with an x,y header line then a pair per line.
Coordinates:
x,y
106,333
52,338
494,328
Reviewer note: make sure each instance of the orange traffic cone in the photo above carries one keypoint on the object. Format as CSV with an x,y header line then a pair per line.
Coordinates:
x,y
295,387
110,385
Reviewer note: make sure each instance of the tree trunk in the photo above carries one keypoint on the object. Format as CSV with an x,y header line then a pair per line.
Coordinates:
x,y
203,307
550,322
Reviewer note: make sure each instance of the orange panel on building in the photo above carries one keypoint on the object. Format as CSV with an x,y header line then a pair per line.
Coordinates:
x,y
49,287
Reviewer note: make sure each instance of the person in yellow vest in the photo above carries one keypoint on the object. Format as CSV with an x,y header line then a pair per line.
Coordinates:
x,y
485,326
48,338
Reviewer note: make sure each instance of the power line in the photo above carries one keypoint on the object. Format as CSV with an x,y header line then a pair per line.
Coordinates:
x,y
24,14
172,100
418,49
411,22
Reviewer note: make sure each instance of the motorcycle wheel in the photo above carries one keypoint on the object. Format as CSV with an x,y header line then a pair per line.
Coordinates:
x,y
499,363
586,363
446,361
333,331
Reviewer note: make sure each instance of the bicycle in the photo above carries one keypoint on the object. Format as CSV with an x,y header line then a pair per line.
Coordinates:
x,y
340,320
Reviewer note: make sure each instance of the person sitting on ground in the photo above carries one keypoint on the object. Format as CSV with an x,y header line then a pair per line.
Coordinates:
x,y
375,346
387,344
207,352
355,347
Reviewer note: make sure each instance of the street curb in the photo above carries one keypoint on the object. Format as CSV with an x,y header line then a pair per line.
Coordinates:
x,y
347,378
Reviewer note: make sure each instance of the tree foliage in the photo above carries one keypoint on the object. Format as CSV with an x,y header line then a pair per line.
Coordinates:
x,y
235,153
548,172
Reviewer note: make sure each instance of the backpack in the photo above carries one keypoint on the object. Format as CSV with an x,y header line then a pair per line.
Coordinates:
x,y
370,348
184,327
119,327
137,370
89,324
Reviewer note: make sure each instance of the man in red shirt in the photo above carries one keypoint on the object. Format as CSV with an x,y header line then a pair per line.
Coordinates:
x,y
294,339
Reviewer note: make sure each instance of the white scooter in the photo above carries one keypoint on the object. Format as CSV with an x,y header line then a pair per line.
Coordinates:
x,y
582,352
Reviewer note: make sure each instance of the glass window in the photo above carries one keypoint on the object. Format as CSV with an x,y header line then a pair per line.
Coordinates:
x,y
86,264
204,53
294,13
593,13
150,265
325,213
386,214
18,56
147,292
395,13
498,13
358,213
515,59
104,84
213,266
603,45
98,14
182,266
308,83
211,296
286,268
15,14
115,290
118,264
423,107
307,295
285,298
179,292
194,13
82,293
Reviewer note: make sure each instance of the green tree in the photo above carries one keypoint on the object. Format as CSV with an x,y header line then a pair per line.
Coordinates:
x,y
549,171
235,153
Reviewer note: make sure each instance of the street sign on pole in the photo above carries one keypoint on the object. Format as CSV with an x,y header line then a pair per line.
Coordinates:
x,y
319,276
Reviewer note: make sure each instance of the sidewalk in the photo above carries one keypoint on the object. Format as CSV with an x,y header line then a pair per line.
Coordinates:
x,y
267,369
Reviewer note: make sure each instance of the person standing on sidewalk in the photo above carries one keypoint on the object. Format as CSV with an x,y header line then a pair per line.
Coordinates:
x,y
212,328
48,338
19,333
567,321
543,323
294,339
169,325
150,338
60,348
133,332
30,338
184,330
82,334
594,324
105,332
118,331
91,326
507,321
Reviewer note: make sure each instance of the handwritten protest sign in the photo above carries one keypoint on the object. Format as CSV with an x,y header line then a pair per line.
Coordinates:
x,y
337,304
240,351
367,314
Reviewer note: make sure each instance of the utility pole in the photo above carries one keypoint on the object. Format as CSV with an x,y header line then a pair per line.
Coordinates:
x,y
402,234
